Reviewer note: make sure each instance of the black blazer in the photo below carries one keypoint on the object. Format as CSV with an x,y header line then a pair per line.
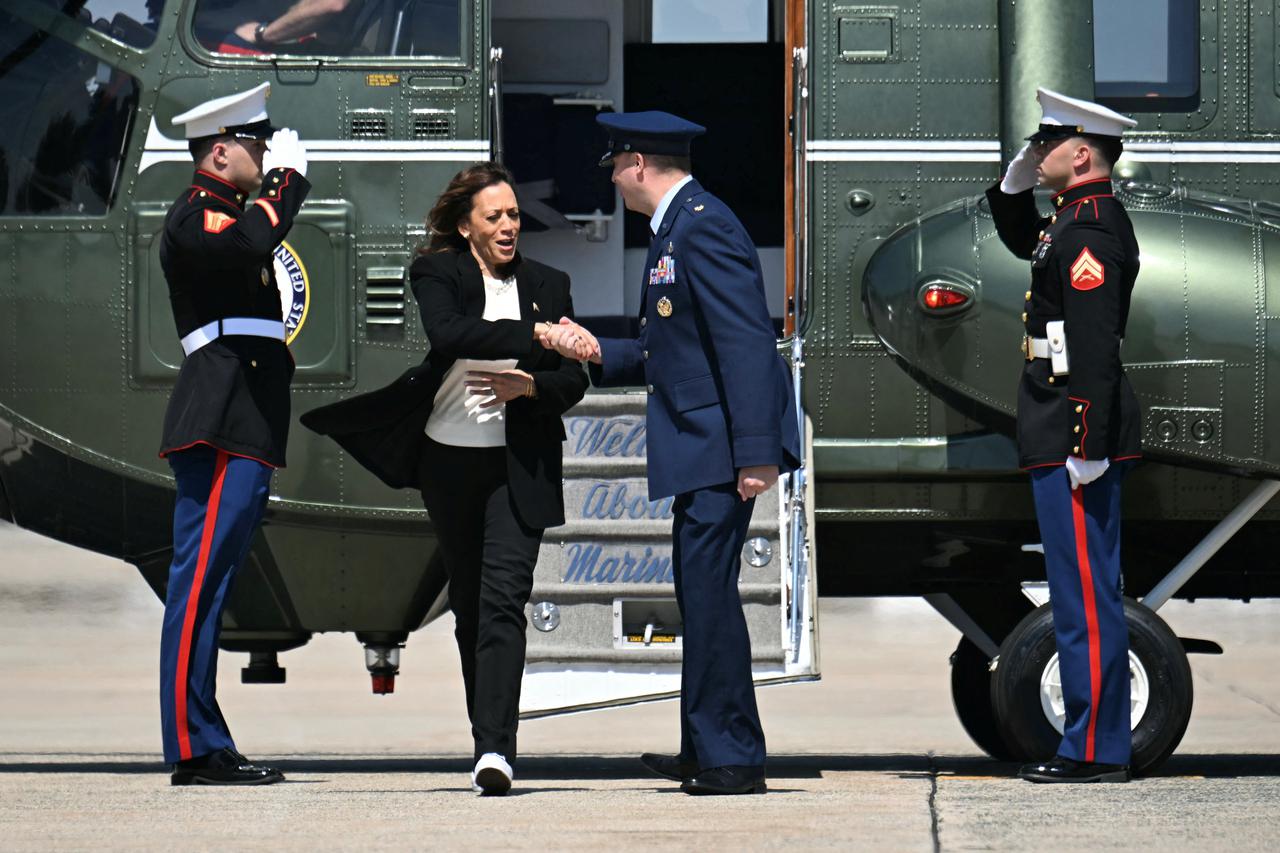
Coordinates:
x,y
384,429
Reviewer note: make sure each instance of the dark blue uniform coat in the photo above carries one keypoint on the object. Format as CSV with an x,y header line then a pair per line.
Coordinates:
x,y
720,399
720,395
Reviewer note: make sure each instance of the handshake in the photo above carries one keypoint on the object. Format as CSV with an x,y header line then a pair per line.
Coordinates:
x,y
569,339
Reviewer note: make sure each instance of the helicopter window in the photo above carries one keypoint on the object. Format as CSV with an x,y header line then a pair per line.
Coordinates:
x,y
64,123
133,22
1155,73
426,28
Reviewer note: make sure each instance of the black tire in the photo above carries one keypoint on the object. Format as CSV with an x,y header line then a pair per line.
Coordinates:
x,y
971,693
1015,687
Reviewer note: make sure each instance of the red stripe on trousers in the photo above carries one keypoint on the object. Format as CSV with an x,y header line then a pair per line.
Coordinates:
x,y
1090,617
193,604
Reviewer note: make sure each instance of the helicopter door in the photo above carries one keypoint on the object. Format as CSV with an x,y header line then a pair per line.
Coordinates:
x,y
604,627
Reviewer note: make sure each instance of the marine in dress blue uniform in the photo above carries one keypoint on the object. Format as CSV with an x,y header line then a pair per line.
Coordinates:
x,y
719,401
1079,424
227,421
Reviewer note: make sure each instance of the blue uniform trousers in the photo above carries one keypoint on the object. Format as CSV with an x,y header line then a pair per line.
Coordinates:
x,y
1080,530
719,723
220,502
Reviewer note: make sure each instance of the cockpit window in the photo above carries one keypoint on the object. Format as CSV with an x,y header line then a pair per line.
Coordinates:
x,y
1147,55
133,22
65,119
423,28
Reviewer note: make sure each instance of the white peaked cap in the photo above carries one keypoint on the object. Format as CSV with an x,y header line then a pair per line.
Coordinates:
x,y
223,115
1078,116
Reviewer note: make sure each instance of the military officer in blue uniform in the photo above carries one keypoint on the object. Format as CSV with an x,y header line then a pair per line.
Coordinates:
x,y
1079,424
228,416
721,425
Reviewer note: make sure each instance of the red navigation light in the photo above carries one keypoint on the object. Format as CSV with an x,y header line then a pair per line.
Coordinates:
x,y
939,297
384,683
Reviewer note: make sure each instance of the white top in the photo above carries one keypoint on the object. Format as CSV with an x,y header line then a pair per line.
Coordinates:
x,y
456,417
656,222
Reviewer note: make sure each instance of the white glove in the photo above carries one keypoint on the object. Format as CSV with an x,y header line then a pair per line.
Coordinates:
x,y
1022,173
1083,471
284,151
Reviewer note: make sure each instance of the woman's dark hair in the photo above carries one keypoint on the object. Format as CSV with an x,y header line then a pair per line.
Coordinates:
x,y
454,205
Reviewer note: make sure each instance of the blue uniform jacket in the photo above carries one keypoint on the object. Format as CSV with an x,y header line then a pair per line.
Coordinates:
x,y
720,395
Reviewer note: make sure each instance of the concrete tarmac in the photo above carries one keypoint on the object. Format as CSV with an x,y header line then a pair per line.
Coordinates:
x,y
872,757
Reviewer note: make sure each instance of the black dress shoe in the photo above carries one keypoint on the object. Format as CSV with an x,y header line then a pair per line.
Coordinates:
x,y
1062,769
726,780
224,767
671,767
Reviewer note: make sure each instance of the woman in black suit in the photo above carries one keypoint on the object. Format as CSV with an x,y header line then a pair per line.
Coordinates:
x,y
477,427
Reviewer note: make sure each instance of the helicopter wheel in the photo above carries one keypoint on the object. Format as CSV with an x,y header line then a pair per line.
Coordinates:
x,y
1026,690
971,693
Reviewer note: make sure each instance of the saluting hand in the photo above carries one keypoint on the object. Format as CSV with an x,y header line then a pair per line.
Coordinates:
x,y
756,480
504,386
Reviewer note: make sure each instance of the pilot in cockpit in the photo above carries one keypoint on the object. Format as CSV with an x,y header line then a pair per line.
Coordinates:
x,y
250,27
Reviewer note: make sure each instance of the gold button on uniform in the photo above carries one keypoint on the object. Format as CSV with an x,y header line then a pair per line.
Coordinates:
x,y
1050,380
1053,218
203,194
1027,298
253,362
1077,428
649,388
1024,316
1079,409
646,355
643,320
1075,449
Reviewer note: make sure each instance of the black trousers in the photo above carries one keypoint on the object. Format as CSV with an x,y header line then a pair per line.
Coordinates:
x,y
490,555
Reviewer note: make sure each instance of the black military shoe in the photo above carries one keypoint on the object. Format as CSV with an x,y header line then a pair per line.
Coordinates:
x,y
671,767
726,780
1068,770
224,767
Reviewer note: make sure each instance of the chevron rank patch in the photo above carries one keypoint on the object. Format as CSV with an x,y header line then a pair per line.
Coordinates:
x,y
215,222
1086,272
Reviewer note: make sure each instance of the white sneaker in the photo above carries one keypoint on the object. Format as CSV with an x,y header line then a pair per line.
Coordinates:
x,y
492,776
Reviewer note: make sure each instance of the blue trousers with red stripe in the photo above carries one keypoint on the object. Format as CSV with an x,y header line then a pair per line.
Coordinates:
x,y
1080,530
221,499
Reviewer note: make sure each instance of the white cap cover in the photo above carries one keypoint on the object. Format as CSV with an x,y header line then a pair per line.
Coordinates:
x,y
225,114
1075,116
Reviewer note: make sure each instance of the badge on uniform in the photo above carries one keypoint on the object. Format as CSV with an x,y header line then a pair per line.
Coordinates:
x,y
215,221
664,272
1041,254
664,307
1086,272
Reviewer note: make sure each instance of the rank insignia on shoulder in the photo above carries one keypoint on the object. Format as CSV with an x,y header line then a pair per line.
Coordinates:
x,y
664,307
699,208
1086,272
215,221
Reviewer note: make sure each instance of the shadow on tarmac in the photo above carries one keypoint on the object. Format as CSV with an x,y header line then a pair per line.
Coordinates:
x,y
583,767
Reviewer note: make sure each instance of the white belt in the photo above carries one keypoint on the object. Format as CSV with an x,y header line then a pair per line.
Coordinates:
x,y
1035,348
251,326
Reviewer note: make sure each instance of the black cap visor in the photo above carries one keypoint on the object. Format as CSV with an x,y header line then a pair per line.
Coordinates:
x,y
1055,132
646,143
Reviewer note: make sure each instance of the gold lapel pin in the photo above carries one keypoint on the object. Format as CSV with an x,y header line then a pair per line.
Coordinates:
x,y
535,307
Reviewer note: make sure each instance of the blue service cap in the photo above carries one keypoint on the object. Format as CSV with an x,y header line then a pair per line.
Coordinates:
x,y
650,132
